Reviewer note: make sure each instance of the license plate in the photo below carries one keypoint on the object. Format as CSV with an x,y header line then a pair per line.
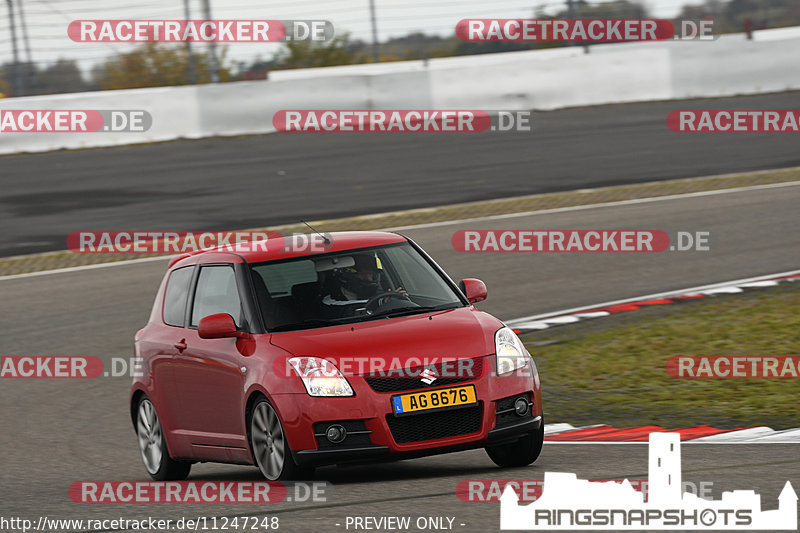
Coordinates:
x,y
433,399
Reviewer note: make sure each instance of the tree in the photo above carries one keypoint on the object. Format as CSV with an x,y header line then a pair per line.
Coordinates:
x,y
615,9
63,76
744,15
306,54
155,65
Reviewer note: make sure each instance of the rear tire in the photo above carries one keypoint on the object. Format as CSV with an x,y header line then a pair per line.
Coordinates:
x,y
270,447
520,453
153,446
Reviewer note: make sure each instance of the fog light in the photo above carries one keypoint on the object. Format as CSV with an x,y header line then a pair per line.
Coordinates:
x,y
521,406
336,433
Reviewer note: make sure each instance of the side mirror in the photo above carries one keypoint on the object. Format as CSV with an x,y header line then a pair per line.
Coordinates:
x,y
219,326
473,289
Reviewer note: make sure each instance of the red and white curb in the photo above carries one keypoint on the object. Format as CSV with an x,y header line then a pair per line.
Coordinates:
x,y
569,316
567,433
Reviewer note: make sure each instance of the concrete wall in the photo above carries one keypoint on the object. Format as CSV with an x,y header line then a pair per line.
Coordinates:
x,y
541,79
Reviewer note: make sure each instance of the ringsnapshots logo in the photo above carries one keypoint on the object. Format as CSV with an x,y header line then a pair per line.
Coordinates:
x,y
569,503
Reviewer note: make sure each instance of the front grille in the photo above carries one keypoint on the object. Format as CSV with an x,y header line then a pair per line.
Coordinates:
x,y
409,379
505,410
356,434
437,425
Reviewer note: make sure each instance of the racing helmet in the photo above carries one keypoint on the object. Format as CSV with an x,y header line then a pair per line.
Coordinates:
x,y
362,278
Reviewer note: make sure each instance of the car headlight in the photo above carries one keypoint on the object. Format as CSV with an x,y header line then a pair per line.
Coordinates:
x,y
321,377
511,354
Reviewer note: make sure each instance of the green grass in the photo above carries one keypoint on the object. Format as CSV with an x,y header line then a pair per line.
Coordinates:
x,y
612,370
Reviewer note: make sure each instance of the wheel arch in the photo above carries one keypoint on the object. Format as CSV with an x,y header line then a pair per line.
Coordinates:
x,y
136,396
254,395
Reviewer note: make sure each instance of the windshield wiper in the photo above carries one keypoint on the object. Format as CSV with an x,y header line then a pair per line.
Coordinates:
x,y
305,324
318,323
414,310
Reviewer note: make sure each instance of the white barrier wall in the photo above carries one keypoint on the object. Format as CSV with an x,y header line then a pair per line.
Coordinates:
x,y
174,110
248,107
549,79
538,79
734,65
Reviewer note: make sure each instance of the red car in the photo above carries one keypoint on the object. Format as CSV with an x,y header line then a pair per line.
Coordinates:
x,y
290,358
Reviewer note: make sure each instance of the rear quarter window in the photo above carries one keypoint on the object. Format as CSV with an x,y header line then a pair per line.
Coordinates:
x,y
216,292
176,295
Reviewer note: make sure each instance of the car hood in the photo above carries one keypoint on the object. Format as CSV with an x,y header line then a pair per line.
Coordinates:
x,y
459,333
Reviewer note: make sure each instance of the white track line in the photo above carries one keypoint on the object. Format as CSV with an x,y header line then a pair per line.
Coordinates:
x,y
756,435
552,429
760,435
595,206
741,435
453,222
792,435
712,288
683,442
83,267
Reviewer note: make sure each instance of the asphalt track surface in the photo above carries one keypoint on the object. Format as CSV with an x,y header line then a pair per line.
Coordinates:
x,y
227,184
55,432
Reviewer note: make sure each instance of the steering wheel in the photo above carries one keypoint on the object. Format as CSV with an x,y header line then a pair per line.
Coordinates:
x,y
371,306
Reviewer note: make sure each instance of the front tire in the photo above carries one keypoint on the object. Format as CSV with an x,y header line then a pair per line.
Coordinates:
x,y
153,446
270,447
520,453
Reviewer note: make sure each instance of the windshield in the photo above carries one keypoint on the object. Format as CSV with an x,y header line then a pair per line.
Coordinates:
x,y
350,286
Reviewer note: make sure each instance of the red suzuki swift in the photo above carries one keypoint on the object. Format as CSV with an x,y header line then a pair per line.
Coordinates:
x,y
290,358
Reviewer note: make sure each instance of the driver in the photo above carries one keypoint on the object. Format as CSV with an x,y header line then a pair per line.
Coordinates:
x,y
357,284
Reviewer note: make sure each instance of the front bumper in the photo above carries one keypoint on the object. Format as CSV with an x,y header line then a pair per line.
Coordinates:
x,y
514,432
339,455
372,411
319,457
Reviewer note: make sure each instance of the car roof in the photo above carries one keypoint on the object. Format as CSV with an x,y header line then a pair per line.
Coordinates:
x,y
275,247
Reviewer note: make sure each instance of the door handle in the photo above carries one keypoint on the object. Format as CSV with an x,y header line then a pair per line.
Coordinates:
x,y
181,345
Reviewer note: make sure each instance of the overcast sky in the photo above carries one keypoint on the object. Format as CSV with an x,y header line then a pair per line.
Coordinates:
x,y
47,20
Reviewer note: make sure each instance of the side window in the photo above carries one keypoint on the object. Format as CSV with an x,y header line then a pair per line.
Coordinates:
x,y
175,296
216,293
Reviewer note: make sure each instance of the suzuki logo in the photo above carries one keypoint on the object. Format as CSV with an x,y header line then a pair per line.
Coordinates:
x,y
428,377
